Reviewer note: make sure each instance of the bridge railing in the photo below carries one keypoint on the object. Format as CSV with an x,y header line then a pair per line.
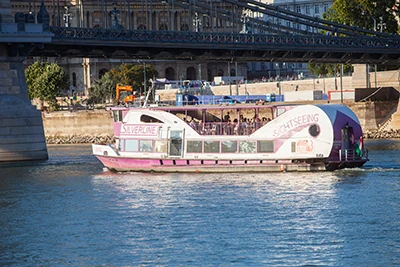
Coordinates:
x,y
235,39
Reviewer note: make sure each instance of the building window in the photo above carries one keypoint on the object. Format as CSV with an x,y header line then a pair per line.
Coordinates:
x,y
102,72
298,9
316,9
73,79
191,73
326,7
170,73
308,9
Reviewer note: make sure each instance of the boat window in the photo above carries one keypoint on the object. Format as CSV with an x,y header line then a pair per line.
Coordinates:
x,y
280,111
211,146
161,146
149,119
131,145
314,130
247,146
175,147
265,146
176,134
229,146
146,145
293,147
117,115
194,146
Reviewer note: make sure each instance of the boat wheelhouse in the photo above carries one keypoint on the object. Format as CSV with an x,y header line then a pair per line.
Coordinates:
x,y
242,138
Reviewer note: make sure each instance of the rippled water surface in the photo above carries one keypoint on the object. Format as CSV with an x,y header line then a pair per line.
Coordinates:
x,y
69,211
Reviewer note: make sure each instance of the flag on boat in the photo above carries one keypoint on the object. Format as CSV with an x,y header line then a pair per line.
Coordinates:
x,y
358,146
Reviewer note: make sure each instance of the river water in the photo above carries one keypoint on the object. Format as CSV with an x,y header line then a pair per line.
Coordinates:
x,y
69,211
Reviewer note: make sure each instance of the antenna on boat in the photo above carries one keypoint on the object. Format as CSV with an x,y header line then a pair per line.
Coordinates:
x,y
148,93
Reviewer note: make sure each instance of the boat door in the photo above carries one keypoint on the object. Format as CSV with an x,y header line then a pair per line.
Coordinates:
x,y
347,137
175,146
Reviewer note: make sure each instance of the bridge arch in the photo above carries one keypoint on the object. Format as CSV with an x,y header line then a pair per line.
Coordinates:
x,y
102,72
74,79
170,73
191,73
209,75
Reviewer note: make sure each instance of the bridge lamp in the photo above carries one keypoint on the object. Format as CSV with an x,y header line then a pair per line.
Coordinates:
x,y
67,17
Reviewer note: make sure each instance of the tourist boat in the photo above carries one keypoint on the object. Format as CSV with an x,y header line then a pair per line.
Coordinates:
x,y
234,138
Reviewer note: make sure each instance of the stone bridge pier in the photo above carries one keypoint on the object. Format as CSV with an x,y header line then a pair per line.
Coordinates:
x,y
21,128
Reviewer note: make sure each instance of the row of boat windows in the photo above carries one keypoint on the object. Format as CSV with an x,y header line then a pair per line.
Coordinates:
x,y
161,146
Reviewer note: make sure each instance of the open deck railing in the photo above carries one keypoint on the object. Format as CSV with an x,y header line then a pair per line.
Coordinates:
x,y
350,155
226,128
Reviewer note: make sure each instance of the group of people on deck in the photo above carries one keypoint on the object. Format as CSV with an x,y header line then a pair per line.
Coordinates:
x,y
243,126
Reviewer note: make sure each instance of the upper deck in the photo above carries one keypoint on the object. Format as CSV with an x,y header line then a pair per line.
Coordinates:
x,y
243,119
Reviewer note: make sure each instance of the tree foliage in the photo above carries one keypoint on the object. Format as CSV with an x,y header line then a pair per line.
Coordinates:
x,y
126,74
327,69
45,81
131,74
103,90
361,13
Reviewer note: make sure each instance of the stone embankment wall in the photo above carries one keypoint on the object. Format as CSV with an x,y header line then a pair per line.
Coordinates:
x,y
382,134
84,126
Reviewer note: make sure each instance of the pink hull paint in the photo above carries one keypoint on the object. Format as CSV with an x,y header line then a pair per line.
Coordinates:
x,y
167,165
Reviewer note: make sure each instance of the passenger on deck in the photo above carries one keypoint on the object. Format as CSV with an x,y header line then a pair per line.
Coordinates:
x,y
192,124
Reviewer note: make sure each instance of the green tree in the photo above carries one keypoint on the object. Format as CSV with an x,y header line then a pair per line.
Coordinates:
x,y
103,90
327,69
45,81
132,74
362,13
127,74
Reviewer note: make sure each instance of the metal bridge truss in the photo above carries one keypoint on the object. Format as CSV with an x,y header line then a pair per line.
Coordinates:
x,y
258,32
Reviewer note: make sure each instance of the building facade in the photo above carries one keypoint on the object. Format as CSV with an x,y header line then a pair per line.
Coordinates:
x,y
285,70
131,15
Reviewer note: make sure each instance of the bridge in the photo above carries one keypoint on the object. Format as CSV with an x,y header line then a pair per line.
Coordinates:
x,y
252,31
224,30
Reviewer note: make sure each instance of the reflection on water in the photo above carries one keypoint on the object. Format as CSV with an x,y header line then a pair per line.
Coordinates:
x,y
382,144
69,211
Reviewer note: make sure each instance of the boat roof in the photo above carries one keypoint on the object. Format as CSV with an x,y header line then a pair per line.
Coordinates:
x,y
204,107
